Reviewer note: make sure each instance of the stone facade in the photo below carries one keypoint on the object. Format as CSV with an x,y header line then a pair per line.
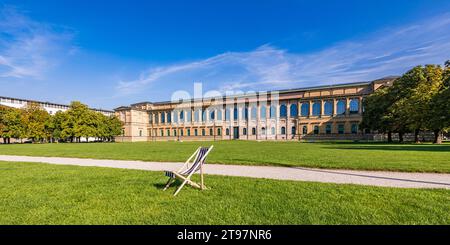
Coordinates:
x,y
325,112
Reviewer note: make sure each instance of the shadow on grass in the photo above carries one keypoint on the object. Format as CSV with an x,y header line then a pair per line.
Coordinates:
x,y
390,147
161,185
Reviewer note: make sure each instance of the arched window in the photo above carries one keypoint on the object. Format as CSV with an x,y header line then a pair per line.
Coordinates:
x,y
182,116
235,114
203,115
156,118
253,113
328,129
211,131
316,108
175,116
316,129
227,131
263,112
328,108
244,131
181,132
354,106
272,130
195,132
189,132
305,129
140,132
283,110
203,132
161,132
283,130
169,117
197,115
305,110
163,117
168,132
212,115
189,116
253,131
227,114
219,131
273,109
340,107
293,129
174,132
219,114
294,110
245,113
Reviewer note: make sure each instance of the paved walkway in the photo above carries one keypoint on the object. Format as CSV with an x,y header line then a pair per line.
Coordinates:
x,y
374,178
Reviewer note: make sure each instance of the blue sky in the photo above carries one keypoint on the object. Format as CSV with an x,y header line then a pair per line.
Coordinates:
x,y
112,53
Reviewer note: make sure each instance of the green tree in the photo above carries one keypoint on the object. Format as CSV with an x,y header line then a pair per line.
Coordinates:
x,y
114,127
35,119
11,124
374,116
439,120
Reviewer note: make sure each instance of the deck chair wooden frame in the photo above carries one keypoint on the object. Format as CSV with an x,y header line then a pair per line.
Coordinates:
x,y
190,169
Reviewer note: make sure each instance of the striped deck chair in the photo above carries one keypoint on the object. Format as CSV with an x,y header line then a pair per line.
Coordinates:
x,y
186,171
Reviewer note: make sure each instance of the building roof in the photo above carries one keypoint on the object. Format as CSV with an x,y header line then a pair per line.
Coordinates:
x,y
50,103
304,89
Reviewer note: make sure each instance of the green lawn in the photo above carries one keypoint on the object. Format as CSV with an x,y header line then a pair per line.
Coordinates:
x,y
36,193
369,156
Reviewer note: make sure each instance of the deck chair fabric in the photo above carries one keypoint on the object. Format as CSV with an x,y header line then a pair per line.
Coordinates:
x,y
185,172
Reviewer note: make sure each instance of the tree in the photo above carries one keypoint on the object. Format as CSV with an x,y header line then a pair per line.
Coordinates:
x,y
35,119
439,120
114,127
374,116
423,86
416,101
11,124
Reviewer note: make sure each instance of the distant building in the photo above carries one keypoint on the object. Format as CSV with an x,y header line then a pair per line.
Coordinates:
x,y
322,112
51,108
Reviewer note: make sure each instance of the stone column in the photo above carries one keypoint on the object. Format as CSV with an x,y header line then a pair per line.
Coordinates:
x,y
334,107
322,107
310,107
347,106
360,105
299,108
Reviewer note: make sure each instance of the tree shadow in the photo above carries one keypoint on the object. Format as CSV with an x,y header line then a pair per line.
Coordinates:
x,y
394,147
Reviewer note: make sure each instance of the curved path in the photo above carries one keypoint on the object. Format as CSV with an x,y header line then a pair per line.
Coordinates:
x,y
373,178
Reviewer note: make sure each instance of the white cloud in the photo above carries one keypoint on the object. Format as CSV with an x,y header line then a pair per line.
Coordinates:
x,y
29,48
387,52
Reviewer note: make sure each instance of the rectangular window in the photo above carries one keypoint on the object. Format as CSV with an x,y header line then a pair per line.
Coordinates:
x,y
341,129
354,128
328,129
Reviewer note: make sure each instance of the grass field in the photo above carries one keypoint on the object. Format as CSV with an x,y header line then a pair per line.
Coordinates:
x,y
35,193
367,156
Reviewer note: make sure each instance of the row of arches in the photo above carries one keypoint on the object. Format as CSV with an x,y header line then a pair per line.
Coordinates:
x,y
305,110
